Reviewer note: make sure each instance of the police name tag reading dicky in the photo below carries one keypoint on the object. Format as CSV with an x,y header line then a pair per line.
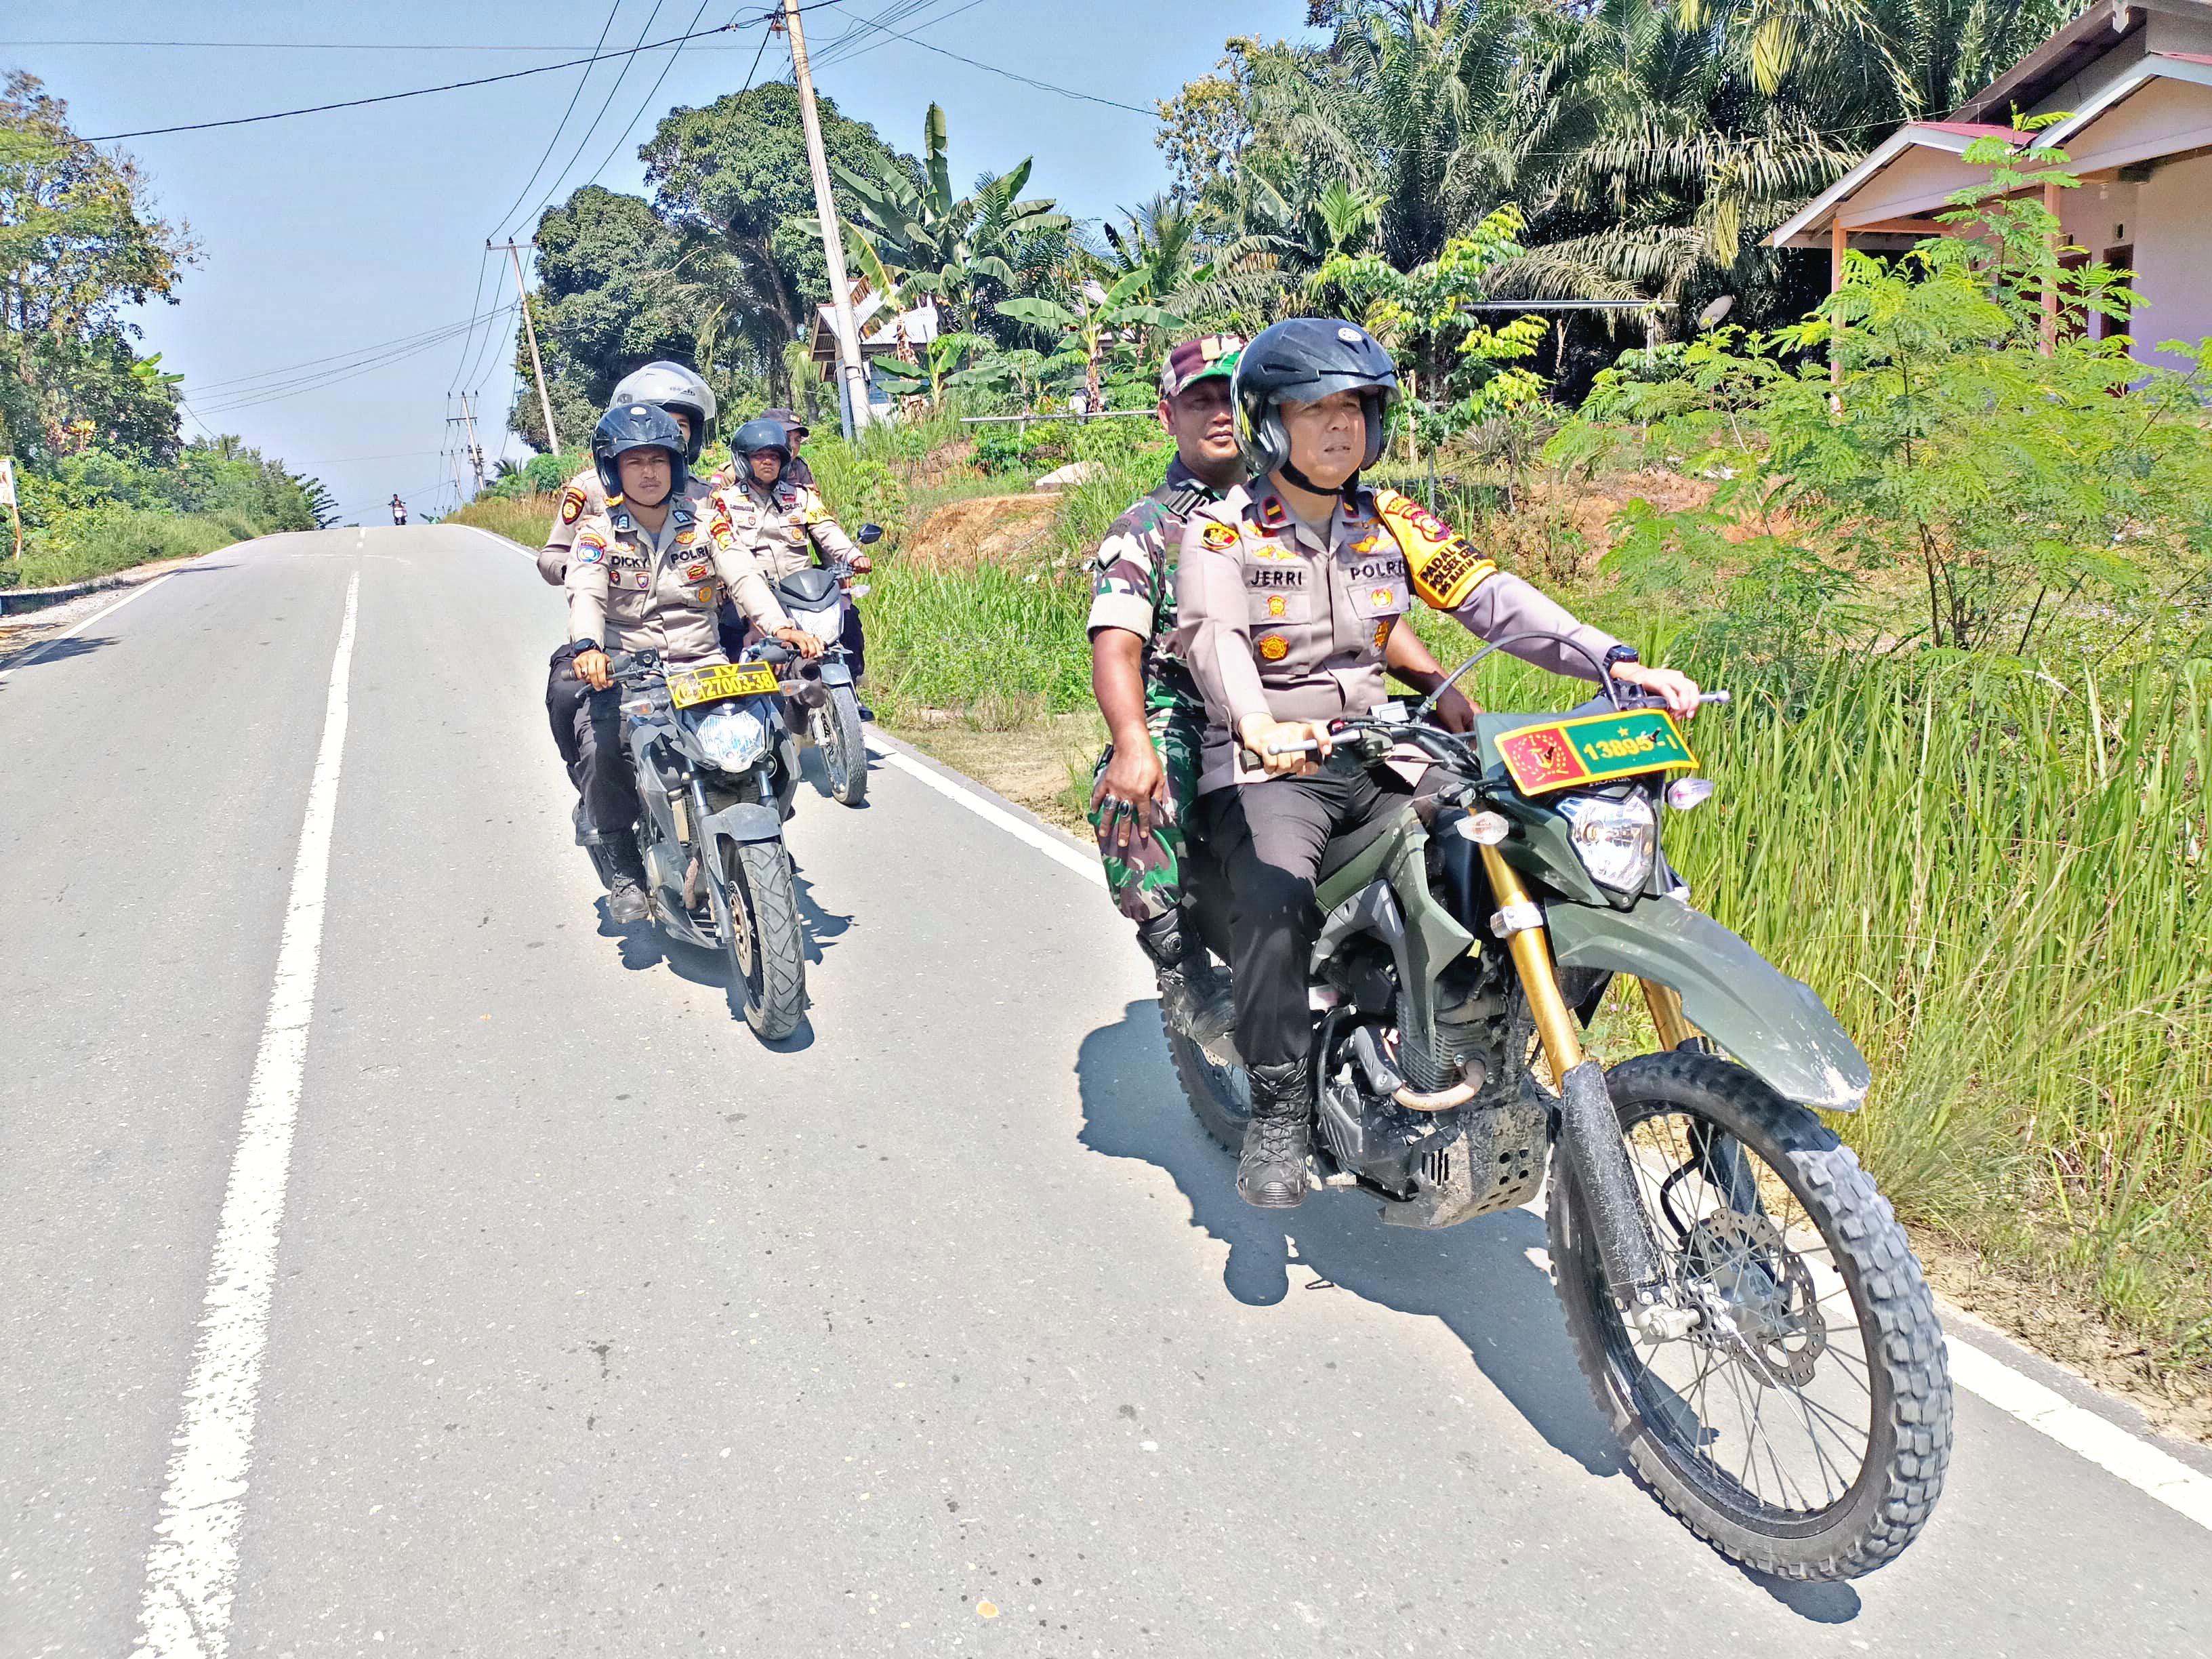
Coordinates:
x,y
691,686
1559,753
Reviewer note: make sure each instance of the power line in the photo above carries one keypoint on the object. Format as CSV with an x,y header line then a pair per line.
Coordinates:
x,y
607,102
846,47
393,97
1026,80
277,392
654,92
441,331
582,80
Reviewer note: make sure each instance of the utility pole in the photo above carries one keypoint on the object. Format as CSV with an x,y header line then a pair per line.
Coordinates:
x,y
852,375
529,328
475,449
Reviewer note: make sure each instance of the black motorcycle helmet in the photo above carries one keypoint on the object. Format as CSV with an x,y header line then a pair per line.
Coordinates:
x,y
755,435
637,426
1305,359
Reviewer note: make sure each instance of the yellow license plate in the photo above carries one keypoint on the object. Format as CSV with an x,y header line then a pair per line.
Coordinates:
x,y
691,686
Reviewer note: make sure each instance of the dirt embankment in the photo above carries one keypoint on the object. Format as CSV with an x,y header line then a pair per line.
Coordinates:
x,y
981,529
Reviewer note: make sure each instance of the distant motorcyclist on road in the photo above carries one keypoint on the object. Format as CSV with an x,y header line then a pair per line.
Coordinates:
x,y
648,572
1293,587
399,511
783,523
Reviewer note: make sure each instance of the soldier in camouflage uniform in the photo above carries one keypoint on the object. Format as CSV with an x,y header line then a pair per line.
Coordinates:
x,y
1148,776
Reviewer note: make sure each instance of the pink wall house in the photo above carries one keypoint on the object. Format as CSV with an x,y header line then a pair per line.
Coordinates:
x,y
2133,79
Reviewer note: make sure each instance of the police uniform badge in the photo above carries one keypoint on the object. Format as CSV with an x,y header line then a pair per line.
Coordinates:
x,y
1273,647
590,547
1219,537
1276,607
572,505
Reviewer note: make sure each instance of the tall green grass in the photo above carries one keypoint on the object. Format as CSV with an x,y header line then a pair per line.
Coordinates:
x,y
525,519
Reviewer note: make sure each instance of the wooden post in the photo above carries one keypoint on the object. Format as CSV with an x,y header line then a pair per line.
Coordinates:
x,y
1839,242
2050,341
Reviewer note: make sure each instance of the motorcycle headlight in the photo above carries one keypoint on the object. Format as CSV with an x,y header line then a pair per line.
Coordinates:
x,y
732,737
1616,840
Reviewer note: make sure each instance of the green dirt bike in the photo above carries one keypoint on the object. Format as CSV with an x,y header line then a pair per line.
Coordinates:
x,y
1740,1299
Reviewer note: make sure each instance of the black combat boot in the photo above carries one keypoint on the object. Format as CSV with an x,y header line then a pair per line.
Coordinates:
x,y
1271,1171
1194,996
626,892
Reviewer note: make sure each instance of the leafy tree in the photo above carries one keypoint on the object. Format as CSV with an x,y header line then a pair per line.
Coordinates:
x,y
912,235
733,178
79,240
1102,322
1948,441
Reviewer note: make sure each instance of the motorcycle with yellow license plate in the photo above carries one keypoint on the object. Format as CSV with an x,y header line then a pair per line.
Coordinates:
x,y
716,774
820,696
1740,1298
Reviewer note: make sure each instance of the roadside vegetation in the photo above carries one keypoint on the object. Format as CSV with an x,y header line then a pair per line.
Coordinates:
x,y
105,480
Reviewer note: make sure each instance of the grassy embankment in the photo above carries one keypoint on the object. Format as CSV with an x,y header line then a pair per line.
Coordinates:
x,y
118,539
1996,874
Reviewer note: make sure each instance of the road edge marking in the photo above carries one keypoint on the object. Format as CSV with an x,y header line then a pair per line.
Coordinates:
x,y
191,1570
2157,1473
40,649
2118,1451
1061,852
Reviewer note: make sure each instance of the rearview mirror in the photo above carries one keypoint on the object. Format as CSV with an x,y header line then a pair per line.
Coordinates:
x,y
869,532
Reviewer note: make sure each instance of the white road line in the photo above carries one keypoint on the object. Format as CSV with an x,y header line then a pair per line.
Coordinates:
x,y
2133,1459
106,610
192,1571
1058,851
2107,1445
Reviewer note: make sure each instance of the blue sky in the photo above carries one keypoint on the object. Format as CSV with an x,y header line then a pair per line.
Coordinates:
x,y
329,233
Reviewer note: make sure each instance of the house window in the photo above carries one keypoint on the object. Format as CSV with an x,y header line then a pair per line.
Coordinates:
x,y
2121,259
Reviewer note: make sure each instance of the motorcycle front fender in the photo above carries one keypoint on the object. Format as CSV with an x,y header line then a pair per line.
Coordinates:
x,y
1775,1026
747,820
834,672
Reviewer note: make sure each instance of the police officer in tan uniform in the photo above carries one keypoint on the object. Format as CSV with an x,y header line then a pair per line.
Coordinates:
x,y
648,573
666,385
1290,588
782,522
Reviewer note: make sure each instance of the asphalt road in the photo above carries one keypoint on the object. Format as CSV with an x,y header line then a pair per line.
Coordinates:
x,y
596,1327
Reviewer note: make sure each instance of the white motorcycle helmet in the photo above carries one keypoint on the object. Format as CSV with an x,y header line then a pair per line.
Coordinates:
x,y
675,388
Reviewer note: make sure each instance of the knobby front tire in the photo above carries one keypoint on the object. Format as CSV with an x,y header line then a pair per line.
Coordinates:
x,y
766,947
1790,1469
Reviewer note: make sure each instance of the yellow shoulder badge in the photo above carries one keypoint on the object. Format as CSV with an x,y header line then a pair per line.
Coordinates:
x,y
1219,537
572,505
1446,568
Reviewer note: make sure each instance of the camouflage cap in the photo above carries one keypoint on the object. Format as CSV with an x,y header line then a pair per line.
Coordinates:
x,y
1196,359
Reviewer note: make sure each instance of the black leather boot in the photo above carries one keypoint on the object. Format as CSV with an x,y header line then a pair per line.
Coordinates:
x,y
1271,1171
1194,996
626,891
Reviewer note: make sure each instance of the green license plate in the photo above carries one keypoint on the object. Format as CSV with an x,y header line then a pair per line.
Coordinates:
x,y
691,686
1562,753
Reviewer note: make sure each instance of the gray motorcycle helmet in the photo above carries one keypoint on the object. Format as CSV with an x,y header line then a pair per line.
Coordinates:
x,y
1304,359
676,389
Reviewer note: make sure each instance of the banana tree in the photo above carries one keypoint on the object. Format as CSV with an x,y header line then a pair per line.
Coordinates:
x,y
1103,319
925,242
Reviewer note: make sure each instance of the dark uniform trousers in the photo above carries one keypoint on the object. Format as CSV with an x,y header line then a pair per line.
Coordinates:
x,y
588,731
1269,838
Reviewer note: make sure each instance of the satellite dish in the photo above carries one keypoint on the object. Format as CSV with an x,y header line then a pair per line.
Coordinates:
x,y
1715,311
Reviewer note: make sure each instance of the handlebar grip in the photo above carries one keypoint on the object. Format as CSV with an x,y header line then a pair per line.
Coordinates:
x,y
1715,697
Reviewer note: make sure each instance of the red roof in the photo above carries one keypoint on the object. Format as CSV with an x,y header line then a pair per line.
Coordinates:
x,y
2186,57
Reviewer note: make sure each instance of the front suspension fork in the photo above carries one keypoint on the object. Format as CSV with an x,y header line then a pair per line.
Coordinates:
x,y
1589,1127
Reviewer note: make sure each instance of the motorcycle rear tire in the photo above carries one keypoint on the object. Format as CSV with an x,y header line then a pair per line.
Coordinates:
x,y
1908,1440
768,974
1220,1096
844,750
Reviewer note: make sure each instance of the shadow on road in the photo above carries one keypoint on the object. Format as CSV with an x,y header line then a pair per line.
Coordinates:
x,y
33,655
1477,1277
645,946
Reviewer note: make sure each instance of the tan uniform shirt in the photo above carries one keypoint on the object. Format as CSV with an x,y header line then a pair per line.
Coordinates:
x,y
776,525
1276,620
582,497
630,590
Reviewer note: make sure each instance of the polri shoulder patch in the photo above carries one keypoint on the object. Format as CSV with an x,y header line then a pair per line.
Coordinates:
x,y
1219,537
572,505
